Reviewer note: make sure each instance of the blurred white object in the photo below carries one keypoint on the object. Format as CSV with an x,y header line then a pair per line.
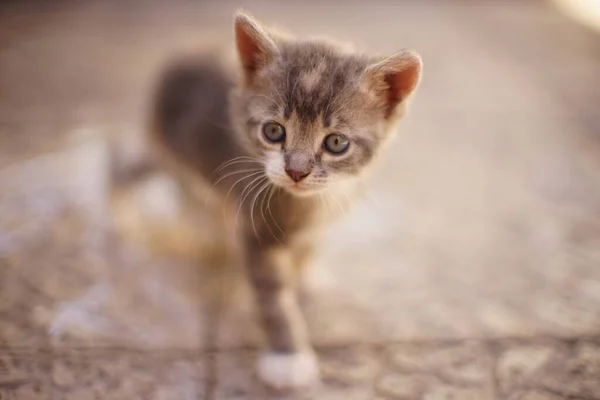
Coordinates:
x,y
586,12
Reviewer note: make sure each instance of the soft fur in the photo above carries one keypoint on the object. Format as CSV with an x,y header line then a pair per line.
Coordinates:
x,y
208,132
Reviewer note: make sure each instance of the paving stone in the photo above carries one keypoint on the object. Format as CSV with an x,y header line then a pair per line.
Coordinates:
x,y
578,375
467,363
444,392
521,364
25,375
123,375
66,283
437,371
423,386
534,395
488,230
549,369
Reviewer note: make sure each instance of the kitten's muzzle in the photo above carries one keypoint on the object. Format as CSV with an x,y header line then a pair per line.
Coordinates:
x,y
298,164
296,176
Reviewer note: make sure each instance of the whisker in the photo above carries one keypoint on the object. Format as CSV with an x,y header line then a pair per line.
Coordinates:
x,y
249,188
212,187
338,203
369,193
326,203
259,191
262,210
259,116
239,180
235,173
320,202
237,160
349,201
272,192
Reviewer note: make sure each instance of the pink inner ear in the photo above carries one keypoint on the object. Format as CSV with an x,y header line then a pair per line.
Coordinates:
x,y
402,83
247,46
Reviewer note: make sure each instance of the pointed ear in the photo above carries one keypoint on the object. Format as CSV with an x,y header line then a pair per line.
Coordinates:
x,y
255,47
395,78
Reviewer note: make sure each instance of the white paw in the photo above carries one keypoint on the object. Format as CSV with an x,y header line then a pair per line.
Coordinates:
x,y
288,371
315,278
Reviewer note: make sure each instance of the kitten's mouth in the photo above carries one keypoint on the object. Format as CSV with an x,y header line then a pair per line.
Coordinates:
x,y
300,189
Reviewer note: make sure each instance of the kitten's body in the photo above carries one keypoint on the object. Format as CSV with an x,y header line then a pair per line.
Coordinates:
x,y
194,132
209,130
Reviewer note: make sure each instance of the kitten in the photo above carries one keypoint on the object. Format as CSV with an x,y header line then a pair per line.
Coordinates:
x,y
299,126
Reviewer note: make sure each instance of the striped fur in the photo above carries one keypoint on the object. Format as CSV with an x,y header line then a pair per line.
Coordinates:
x,y
208,128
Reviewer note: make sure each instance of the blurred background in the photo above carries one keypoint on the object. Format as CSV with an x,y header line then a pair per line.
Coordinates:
x,y
472,271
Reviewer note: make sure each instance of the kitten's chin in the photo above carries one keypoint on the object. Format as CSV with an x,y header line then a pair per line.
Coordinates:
x,y
299,190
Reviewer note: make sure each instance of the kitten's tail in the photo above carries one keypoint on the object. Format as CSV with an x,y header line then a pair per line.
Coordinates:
x,y
149,208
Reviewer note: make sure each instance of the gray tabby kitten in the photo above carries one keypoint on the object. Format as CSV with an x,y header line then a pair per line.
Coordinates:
x,y
300,125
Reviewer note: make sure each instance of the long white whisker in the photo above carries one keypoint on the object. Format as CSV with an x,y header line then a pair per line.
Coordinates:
x,y
249,188
235,173
262,210
349,201
320,201
327,203
338,203
209,192
272,192
236,160
260,190
255,116
368,192
239,180
239,162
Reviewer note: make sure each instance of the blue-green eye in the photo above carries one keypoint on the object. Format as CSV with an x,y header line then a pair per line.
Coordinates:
x,y
336,143
274,132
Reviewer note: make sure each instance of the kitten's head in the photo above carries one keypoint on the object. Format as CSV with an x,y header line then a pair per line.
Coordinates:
x,y
314,113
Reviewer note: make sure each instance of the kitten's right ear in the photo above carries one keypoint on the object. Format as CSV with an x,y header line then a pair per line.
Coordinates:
x,y
255,47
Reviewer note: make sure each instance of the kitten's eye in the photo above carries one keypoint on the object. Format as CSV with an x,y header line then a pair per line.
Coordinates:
x,y
336,144
274,132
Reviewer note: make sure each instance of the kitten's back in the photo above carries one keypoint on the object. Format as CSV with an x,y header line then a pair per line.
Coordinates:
x,y
191,113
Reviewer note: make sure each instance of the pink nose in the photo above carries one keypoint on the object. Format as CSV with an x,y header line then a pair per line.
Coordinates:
x,y
296,176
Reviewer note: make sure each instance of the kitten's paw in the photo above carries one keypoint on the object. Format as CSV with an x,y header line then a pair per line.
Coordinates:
x,y
288,371
315,279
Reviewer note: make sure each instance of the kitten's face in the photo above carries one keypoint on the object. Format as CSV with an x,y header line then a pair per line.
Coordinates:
x,y
309,123
314,115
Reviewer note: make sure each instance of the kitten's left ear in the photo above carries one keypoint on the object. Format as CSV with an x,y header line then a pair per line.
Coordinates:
x,y
255,47
394,79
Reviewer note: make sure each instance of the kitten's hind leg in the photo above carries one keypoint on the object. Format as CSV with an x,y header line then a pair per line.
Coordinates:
x,y
289,361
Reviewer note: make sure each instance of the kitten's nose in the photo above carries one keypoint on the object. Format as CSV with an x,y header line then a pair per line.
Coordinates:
x,y
296,176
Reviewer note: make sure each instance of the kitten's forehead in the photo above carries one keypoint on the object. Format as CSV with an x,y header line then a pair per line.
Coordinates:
x,y
315,81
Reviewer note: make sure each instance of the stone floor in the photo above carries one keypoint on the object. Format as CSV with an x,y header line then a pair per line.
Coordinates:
x,y
471,272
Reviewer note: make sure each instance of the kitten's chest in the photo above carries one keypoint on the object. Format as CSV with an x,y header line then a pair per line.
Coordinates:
x,y
290,215
285,216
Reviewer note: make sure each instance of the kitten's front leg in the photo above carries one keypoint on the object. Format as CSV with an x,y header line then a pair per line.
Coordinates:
x,y
289,361
314,278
